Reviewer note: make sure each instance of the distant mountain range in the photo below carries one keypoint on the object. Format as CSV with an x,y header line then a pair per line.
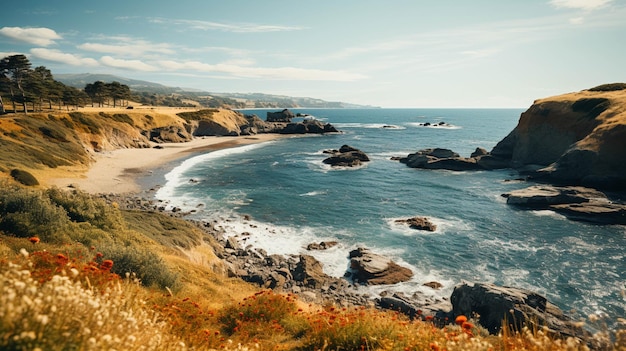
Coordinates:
x,y
251,100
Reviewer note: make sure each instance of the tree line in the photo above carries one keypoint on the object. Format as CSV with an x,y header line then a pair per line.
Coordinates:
x,y
36,88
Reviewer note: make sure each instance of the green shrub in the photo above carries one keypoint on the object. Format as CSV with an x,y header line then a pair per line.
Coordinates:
x,y
609,87
123,118
25,213
146,265
82,207
24,177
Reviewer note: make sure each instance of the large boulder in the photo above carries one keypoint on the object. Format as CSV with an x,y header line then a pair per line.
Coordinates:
x,y
346,156
281,116
310,273
496,304
574,202
308,126
373,269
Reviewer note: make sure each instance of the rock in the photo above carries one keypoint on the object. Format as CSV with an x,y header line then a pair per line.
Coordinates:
x,y
441,159
282,116
579,138
454,164
324,245
170,134
576,203
434,285
479,152
519,306
542,196
400,304
346,156
373,269
310,272
418,223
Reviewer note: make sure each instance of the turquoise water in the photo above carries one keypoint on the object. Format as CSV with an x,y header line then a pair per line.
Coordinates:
x,y
294,199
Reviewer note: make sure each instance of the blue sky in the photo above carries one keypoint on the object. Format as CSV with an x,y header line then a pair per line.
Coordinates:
x,y
392,53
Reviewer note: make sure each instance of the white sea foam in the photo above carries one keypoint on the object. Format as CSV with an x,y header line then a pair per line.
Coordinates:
x,y
315,193
443,225
548,213
175,177
368,126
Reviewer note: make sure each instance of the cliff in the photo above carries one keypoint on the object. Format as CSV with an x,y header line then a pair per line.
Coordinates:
x,y
576,139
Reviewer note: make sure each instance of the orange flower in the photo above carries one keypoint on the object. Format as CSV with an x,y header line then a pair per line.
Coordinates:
x,y
33,239
460,320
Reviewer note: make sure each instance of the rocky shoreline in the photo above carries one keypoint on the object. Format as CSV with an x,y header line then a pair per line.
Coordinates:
x,y
303,275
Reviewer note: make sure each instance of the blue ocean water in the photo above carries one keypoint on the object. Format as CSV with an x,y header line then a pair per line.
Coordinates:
x,y
293,199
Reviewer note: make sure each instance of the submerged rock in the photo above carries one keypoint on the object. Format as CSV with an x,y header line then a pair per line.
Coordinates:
x,y
418,223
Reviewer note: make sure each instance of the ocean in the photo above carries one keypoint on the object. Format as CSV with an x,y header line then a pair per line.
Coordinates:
x,y
293,199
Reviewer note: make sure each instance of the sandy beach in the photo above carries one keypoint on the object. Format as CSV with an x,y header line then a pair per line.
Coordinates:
x,y
118,171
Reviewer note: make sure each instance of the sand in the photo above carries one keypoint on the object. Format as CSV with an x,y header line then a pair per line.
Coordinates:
x,y
118,171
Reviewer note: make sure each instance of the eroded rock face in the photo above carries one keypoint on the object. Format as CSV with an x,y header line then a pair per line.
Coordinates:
x,y
370,268
439,158
495,303
281,116
576,139
171,134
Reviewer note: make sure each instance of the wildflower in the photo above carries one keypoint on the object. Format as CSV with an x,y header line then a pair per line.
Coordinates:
x,y
33,239
460,320
106,264
23,252
467,325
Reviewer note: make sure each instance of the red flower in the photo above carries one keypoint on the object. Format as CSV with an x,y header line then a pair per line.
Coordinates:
x,y
33,239
467,325
106,264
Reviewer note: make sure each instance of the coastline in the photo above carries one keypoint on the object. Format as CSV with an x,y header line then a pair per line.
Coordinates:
x,y
133,170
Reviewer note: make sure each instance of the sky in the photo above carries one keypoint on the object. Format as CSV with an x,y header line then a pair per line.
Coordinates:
x,y
391,53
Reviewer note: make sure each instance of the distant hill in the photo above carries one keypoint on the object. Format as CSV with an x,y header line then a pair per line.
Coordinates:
x,y
247,100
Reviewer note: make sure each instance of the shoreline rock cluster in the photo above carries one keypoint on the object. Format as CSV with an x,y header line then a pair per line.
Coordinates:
x,y
303,275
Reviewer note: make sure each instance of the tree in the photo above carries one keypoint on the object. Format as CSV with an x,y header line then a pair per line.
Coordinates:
x,y
16,68
97,92
118,91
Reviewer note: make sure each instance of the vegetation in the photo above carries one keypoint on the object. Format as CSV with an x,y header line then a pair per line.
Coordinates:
x,y
79,273
24,177
609,87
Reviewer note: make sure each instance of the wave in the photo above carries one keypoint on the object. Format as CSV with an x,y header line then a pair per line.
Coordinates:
x,y
315,193
369,126
176,177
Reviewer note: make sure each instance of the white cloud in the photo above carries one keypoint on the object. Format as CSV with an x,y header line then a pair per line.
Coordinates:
x,y
37,36
135,65
277,73
135,48
58,56
236,28
580,4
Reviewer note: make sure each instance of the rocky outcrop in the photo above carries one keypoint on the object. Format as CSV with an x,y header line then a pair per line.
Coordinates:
x,y
346,156
171,134
418,223
577,203
373,269
324,245
572,139
281,116
441,159
518,307
308,126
